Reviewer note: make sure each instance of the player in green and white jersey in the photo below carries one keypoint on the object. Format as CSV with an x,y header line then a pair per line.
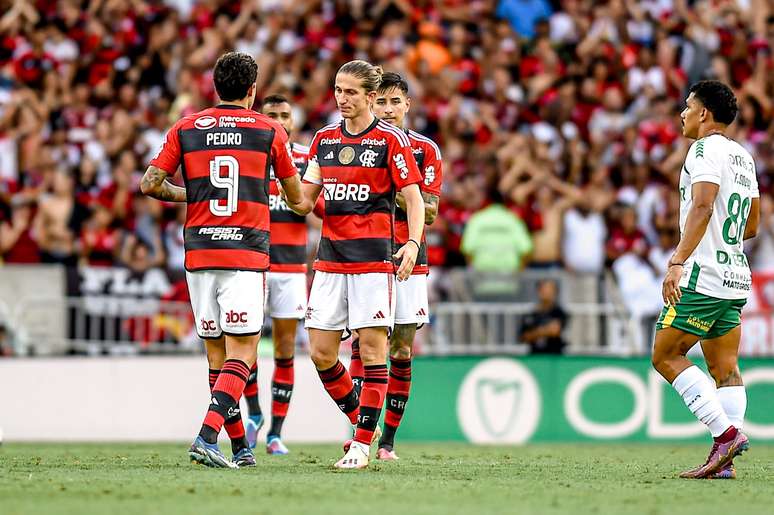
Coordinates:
x,y
709,279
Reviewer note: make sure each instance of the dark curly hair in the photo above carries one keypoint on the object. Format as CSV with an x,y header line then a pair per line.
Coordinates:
x,y
234,73
717,98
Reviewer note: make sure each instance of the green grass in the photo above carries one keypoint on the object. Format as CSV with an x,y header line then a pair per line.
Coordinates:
x,y
129,479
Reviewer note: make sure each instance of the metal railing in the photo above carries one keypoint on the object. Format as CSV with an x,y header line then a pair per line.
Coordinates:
x,y
102,325
119,326
495,328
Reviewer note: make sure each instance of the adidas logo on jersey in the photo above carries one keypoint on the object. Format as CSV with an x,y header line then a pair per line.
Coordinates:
x,y
329,155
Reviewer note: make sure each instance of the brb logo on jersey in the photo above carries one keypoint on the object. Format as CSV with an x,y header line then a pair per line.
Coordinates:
x,y
277,204
400,163
341,191
222,233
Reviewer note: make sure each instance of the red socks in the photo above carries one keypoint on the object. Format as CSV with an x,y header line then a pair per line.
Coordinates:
x,y
371,402
397,396
281,392
356,366
226,391
338,384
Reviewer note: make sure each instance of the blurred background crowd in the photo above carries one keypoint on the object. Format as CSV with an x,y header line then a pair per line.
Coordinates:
x,y
558,120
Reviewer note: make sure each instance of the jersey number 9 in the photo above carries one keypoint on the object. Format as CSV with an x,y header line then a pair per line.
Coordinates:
x,y
229,182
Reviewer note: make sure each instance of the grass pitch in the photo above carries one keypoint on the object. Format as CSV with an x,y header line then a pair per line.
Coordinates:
x,y
130,479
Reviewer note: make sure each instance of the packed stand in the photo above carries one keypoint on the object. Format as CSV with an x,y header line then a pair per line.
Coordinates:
x,y
558,120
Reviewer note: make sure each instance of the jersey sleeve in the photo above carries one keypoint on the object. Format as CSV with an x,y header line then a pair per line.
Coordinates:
x,y
433,170
756,193
168,156
281,157
707,163
401,163
313,174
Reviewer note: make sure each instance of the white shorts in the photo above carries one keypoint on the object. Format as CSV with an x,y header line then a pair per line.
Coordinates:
x,y
227,301
411,305
354,301
287,294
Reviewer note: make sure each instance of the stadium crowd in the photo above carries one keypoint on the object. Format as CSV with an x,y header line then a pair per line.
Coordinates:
x,y
558,119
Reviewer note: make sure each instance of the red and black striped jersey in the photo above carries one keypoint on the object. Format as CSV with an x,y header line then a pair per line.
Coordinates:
x,y
225,153
288,230
428,157
359,175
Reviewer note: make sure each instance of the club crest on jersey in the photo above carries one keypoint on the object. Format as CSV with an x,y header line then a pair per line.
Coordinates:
x,y
368,158
346,155
205,122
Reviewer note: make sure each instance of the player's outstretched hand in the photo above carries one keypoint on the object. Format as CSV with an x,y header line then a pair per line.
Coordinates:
x,y
408,256
670,290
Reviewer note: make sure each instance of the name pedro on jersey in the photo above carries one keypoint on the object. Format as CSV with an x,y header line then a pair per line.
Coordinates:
x,y
224,138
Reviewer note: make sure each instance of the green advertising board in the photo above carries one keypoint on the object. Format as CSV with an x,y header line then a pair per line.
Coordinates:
x,y
570,399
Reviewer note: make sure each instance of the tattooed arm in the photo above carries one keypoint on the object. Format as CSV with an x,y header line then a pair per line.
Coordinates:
x,y
154,184
431,205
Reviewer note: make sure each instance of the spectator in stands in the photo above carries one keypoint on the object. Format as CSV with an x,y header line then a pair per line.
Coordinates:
x,y
583,240
567,105
625,236
542,329
495,239
646,196
16,242
99,240
173,243
137,255
58,221
659,254
524,14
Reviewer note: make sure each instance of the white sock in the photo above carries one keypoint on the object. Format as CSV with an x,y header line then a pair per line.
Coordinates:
x,y
699,394
734,402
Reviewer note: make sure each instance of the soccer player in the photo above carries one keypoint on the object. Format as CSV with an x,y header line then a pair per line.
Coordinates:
x,y
224,153
411,307
359,164
709,279
286,284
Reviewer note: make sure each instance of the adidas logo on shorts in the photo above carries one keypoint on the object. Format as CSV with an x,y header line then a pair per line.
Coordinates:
x,y
421,312
379,316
